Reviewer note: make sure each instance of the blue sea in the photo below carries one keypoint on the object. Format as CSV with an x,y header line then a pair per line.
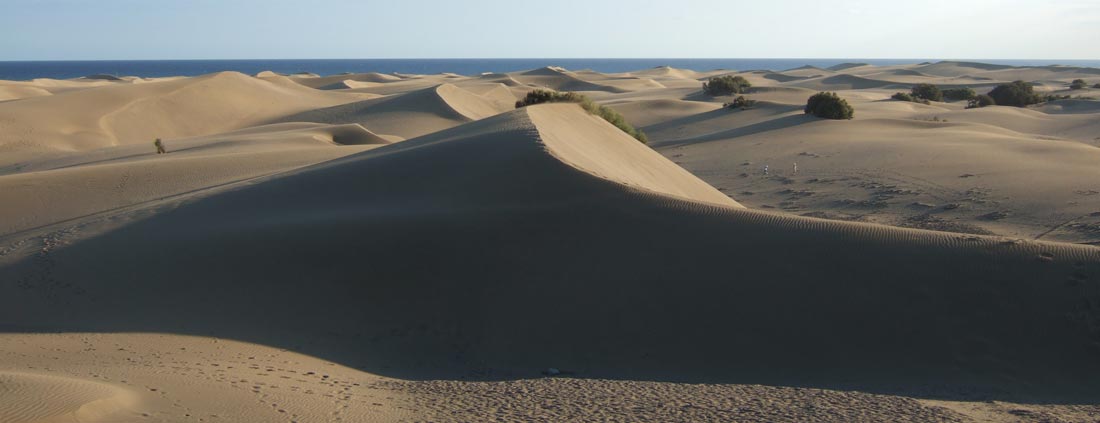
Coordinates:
x,y
157,68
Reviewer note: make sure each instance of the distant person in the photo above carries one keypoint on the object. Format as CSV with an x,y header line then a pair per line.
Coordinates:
x,y
795,168
160,146
765,169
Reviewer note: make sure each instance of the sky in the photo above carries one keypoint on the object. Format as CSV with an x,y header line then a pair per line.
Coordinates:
x,y
307,29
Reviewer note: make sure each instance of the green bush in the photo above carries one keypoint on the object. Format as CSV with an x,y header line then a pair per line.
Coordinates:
x,y
981,100
726,85
958,94
740,103
1017,93
908,97
1078,84
607,113
829,106
928,92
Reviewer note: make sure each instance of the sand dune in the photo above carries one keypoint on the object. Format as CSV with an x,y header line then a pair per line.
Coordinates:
x,y
312,253
930,289
561,80
59,399
411,114
135,114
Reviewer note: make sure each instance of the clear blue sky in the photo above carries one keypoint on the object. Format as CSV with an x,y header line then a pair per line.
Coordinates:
x,y
243,29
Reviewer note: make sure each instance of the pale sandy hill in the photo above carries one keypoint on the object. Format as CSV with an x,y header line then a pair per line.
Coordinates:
x,y
135,114
1081,122
971,177
1071,106
644,113
412,114
668,72
16,92
30,397
845,82
335,81
807,71
639,286
846,66
559,79
951,68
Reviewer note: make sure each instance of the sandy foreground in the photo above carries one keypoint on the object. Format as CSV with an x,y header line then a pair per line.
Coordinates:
x,y
372,247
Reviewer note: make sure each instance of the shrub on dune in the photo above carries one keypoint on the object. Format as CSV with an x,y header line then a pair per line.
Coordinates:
x,y
1078,84
927,92
740,103
1097,85
959,94
1017,93
982,100
726,85
607,113
908,97
829,106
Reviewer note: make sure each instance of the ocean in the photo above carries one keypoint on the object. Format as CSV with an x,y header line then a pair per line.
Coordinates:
x,y
157,68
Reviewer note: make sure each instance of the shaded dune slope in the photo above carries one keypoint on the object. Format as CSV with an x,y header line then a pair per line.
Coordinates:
x,y
493,250
411,114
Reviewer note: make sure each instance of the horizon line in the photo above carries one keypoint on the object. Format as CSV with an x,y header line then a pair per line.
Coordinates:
x,y
545,58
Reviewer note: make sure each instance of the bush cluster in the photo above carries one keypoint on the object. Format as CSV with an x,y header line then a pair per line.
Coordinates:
x,y
829,106
959,94
1097,85
607,113
908,97
1017,93
740,103
927,92
726,85
981,100
1078,84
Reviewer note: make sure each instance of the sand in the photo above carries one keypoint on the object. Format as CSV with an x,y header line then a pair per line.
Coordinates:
x,y
368,247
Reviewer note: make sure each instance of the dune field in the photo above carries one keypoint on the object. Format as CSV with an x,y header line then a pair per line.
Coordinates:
x,y
392,247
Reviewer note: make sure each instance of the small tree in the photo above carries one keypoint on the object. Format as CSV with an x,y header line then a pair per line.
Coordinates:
x,y
981,100
928,92
958,94
1017,93
726,85
829,106
1078,84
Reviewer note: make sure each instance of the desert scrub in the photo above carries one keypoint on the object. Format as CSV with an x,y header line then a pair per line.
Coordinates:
x,y
1017,93
607,113
829,106
1078,84
908,97
959,94
740,103
726,85
927,92
981,100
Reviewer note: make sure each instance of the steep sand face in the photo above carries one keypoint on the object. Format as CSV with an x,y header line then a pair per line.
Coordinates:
x,y
595,147
477,251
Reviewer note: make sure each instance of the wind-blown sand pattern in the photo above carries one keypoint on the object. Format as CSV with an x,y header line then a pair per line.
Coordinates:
x,y
371,247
